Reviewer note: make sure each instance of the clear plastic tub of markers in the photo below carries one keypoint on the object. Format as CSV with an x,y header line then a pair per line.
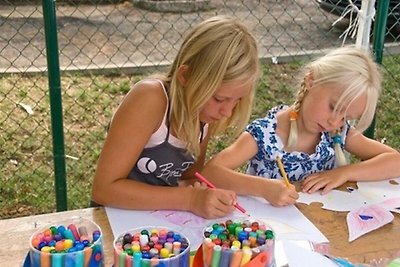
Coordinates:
x,y
151,246
74,242
240,242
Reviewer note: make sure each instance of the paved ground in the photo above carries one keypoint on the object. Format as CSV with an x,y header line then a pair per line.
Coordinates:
x,y
121,35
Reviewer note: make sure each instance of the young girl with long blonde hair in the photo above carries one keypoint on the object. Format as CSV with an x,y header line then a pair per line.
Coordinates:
x,y
336,102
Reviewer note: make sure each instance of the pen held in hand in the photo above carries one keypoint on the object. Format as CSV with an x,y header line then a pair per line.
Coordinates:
x,y
283,172
210,185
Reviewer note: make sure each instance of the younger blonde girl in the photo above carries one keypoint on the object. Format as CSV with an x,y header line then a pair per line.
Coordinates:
x,y
339,89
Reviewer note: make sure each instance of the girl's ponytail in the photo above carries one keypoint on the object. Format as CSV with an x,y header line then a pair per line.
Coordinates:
x,y
339,153
293,132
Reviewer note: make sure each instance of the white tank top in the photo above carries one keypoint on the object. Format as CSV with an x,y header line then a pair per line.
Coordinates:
x,y
158,136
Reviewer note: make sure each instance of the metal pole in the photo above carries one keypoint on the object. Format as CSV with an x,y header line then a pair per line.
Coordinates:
x,y
380,29
378,44
364,23
53,66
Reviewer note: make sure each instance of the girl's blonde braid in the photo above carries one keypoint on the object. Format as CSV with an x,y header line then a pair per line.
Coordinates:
x,y
293,132
337,146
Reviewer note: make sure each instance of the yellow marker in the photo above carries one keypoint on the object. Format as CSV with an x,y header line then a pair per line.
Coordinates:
x,y
164,253
283,172
236,243
246,256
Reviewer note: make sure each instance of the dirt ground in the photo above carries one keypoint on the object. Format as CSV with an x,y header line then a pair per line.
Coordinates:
x,y
124,36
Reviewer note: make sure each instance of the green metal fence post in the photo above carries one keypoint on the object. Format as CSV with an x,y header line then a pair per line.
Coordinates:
x,y
53,66
380,29
378,44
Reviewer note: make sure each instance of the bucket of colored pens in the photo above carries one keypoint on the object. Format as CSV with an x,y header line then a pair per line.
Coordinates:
x,y
238,243
75,242
151,246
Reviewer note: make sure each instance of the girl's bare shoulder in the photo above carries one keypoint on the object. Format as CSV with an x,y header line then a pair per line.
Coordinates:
x,y
148,93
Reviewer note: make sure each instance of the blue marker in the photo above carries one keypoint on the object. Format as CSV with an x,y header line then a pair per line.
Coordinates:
x,y
225,257
161,263
137,259
342,262
96,260
80,259
35,258
68,234
185,258
57,259
69,260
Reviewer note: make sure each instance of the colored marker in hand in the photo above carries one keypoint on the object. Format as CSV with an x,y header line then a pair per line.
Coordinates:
x,y
210,185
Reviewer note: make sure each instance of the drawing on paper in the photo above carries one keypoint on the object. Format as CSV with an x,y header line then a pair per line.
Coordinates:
x,y
367,219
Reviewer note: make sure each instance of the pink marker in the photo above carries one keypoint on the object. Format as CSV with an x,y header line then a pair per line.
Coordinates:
x,y
210,185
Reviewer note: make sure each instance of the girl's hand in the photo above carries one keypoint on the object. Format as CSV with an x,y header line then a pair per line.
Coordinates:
x,y
211,203
326,180
279,194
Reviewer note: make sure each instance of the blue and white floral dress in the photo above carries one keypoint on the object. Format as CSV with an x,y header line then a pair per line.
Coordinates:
x,y
298,165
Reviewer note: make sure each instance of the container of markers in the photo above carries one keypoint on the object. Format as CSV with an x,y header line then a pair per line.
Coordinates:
x,y
238,243
151,246
76,242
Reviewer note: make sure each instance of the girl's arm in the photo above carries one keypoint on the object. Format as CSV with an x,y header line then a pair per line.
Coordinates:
x,y
378,162
221,171
136,119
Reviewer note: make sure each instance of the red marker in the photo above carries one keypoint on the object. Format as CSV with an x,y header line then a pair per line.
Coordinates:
x,y
210,185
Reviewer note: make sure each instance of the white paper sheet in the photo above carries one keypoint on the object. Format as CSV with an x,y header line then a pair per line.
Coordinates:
x,y
335,200
300,256
366,194
288,222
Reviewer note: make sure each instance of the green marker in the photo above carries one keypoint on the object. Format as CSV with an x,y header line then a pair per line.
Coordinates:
x,y
216,257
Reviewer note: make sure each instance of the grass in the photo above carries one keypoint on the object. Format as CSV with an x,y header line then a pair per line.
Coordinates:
x,y
26,153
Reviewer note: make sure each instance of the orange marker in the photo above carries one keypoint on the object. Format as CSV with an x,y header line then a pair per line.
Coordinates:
x,y
88,253
45,260
208,251
83,234
116,257
236,257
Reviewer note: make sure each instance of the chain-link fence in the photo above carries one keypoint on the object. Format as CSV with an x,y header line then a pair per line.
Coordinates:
x,y
104,47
